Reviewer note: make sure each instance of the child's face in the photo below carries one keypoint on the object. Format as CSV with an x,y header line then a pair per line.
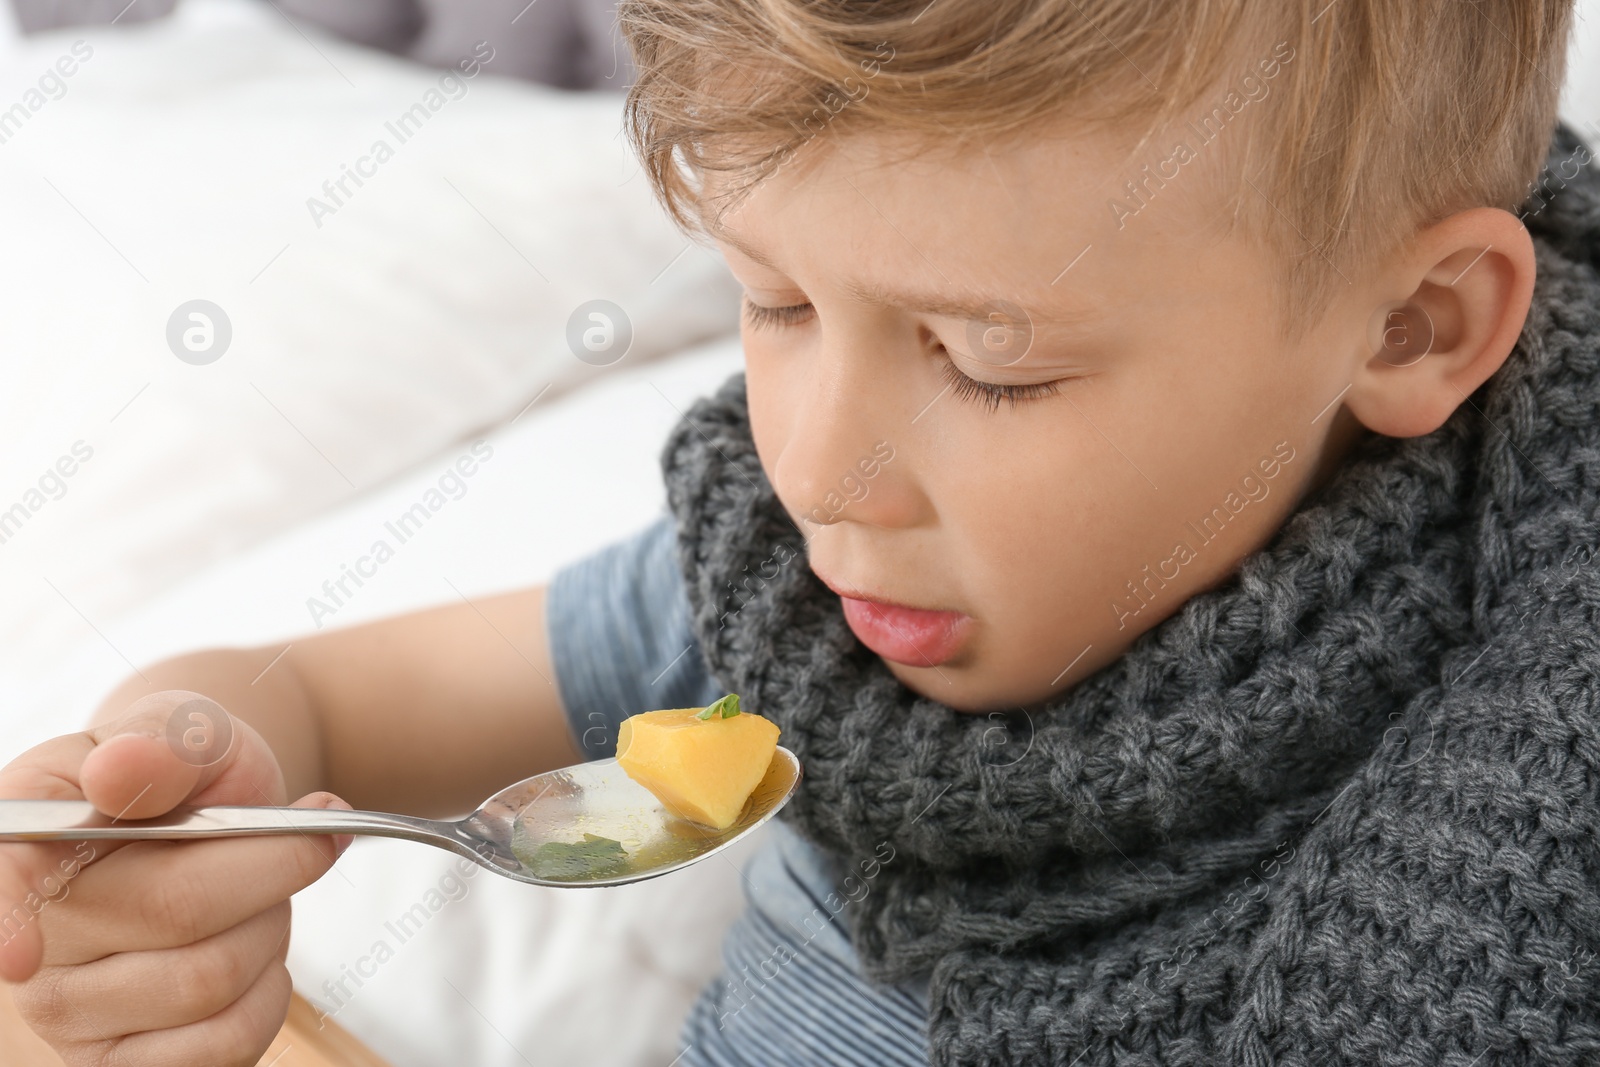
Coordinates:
x,y
1176,437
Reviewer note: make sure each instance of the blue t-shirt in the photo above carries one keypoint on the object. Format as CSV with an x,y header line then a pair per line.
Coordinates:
x,y
791,990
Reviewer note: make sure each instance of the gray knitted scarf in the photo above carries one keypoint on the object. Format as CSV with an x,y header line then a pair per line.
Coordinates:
x,y
1343,809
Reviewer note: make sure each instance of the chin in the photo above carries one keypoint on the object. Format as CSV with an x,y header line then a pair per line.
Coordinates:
x,y
950,685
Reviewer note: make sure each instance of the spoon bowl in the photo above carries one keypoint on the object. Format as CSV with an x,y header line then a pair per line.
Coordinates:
x,y
584,826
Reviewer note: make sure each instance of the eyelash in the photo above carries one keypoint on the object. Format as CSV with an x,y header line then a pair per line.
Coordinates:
x,y
964,387
761,317
990,394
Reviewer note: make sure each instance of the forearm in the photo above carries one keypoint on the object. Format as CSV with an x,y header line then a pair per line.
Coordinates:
x,y
431,712
425,713
268,695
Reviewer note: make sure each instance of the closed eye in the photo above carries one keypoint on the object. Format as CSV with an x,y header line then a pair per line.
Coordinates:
x,y
990,394
964,387
761,317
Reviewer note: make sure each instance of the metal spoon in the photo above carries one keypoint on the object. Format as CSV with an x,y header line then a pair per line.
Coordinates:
x,y
534,831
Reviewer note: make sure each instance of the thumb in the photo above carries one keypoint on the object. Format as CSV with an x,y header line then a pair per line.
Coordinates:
x,y
172,747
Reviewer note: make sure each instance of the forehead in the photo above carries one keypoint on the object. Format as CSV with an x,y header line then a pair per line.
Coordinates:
x,y
944,297
948,229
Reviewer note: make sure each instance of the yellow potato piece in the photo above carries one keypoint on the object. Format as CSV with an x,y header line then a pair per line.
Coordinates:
x,y
702,770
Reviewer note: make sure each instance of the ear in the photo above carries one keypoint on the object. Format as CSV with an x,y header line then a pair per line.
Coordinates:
x,y
1460,294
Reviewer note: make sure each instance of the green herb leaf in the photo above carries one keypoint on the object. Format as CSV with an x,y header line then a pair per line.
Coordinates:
x,y
593,857
727,707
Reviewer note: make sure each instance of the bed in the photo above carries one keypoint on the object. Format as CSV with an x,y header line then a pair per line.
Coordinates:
x,y
208,503
371,342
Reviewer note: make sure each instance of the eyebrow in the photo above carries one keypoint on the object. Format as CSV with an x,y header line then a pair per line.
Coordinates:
x,y
965,305
961,305
727,237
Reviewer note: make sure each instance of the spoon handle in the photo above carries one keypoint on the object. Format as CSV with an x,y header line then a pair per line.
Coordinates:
x,y
77,820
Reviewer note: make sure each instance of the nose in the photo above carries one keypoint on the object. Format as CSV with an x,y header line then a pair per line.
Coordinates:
x,y
841,461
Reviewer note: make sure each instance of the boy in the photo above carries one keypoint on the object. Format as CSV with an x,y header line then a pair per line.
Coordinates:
x,y
1156,509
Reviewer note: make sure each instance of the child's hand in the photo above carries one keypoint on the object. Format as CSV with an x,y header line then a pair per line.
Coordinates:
x,y
155,952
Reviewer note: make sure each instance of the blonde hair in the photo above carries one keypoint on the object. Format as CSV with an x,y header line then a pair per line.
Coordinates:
x,y
1382,116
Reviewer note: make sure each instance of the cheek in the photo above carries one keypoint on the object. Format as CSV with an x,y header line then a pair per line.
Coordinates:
x,y
1052,515
1034,535
1029,503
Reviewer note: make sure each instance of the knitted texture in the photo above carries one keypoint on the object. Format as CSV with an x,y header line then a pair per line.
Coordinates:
x,y
1342,809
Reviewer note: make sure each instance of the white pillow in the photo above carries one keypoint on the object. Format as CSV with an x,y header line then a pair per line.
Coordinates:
x,y
174,163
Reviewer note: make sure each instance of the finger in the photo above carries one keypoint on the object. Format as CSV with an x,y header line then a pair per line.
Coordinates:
x,y
33,876
283,943
236,1036
166,894
112,997
32,879
175,747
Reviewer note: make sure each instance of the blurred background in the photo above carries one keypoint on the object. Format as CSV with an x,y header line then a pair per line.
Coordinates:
x,y
272,267
271,271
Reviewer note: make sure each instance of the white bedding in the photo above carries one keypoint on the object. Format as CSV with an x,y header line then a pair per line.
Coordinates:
x,y
184,151
504,971
179,160
367,354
